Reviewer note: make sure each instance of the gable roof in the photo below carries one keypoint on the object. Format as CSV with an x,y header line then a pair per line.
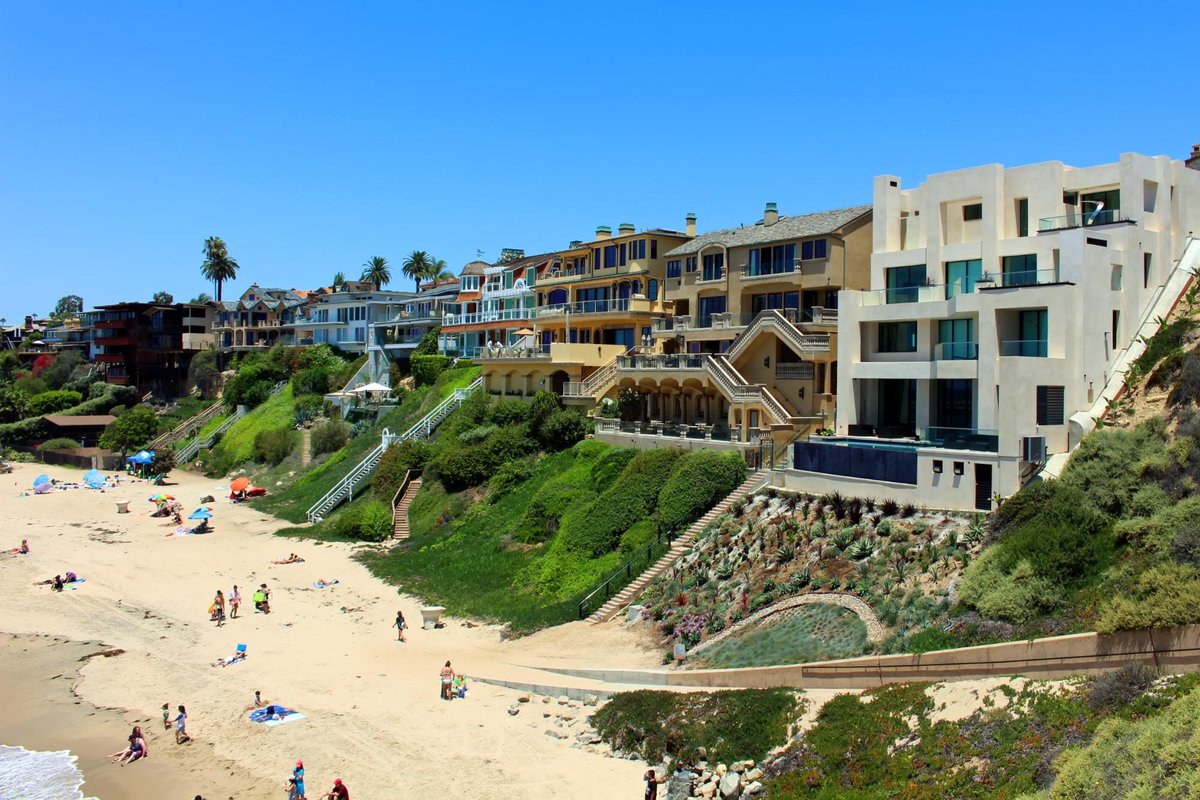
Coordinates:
x,y
798,227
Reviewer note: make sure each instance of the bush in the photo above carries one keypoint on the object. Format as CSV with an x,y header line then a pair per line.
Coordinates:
x,y
14,404
426,369
1109,464
1016,595
314,380
1163,596
611,465
541,406
562,429
253,383
59,443
544,512
204,375
329,437
507,412
59,372
53,402
508,477
130,431
1119,687
273,446
375,522
597,529
163,461
700,480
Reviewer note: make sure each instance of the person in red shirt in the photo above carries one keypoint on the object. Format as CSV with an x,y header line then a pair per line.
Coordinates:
x,y
338,792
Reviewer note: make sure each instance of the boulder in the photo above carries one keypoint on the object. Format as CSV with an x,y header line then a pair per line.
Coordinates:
x,y
753,789
680,785
555,734
523,698
730,786
563,700
753,775
590,700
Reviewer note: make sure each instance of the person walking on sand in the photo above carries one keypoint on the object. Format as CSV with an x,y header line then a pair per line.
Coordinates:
x,y
652,783
296,788
400,625
235,600
447,676
166,716
181,734
218,607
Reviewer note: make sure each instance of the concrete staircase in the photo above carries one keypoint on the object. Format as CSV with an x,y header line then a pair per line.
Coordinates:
x,y
186,428
400,508
681,545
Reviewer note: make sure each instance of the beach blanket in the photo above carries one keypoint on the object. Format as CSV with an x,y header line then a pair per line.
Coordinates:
x,y
72,585
319,585
282,715
187,532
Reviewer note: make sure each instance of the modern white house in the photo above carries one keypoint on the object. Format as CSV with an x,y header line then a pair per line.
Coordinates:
x,y
343,317
1000,301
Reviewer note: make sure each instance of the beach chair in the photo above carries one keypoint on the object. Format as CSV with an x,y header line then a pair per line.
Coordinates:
x,y
5,468
157,480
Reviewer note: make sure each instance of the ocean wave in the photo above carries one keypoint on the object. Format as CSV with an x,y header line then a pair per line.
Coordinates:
x,y
39,775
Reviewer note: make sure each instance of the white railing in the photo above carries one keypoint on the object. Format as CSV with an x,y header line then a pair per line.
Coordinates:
x,y
343,490
181,431
595,384
776,322
189,451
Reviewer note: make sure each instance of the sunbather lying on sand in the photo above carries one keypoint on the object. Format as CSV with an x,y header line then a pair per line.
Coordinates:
x,y
227,660
321,583
291,559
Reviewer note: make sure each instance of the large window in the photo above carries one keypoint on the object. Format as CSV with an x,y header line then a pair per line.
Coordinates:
x,y
955,401
714,267
708,307
772,260
962,275
1034,328
956,339
1100,208
652,289
654,248
780,300
818,248
898,337
637,249
1020,270
674,268
610,256
690,264
903,283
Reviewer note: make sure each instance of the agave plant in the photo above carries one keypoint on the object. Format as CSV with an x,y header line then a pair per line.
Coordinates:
x,y
975,530
890,508
863,570
858,550
908,510
784,554
842,539
854,511
869,502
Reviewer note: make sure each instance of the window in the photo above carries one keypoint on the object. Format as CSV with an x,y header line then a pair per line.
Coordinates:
x,y
902,283
1033,329
1145,270
610,256
972,211
714,267
690,264
937,467
1097,242
1020,270
652,287
1071,198
1023,217
674,268
654,248
962,275
959,467
956,339
781,300
1116,326
622,262
772,260
1100,208
1050,405
637,249
898,337
597,262
710,306
814,249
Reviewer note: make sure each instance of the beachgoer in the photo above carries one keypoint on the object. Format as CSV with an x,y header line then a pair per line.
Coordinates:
x,y
321,583
235,600
652,783
447,677
400,625
298,779
181,734
58,583
266,592
71,577
260,602
258,701
338,792
166,709
218,608
133,752
137,733
459,687
23,549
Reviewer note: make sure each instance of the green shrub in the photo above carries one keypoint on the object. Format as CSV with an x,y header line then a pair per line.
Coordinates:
x,y
1101,466
59,443
1167,340
700,480
14,404
426,369
729,725
544,512
610,465
1163,596
638,536
59,372
597,530
163,461
541,406
477,434
330,436
507,412
310,405
53,402
375,522
1016,595
132,430
509,475
31,386
314,380
273,446
397,460
562,429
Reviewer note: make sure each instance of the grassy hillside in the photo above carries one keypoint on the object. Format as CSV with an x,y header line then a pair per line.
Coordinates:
x,y
237,445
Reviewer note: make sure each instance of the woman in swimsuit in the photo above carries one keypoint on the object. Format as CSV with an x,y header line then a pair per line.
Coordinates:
x,y
235,600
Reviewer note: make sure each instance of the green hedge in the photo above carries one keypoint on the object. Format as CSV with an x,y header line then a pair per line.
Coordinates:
x,y
426,369
463,467
700,480
53,402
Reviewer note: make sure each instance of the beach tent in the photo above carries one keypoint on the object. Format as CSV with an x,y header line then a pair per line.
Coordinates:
x,y
142,457
93,478
201,513
41,479
42,488
239,484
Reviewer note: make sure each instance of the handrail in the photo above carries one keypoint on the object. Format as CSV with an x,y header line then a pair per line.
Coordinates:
x,y
408,477
180,431
654,551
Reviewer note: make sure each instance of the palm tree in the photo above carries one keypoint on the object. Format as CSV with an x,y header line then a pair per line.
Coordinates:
x,y
417,266
218,265
376,271
446,275
439,270
338,280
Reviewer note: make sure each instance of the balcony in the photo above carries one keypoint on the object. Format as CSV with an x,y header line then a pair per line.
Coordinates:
x,y
815,266
1024,348
1012,280
711,276
511,315
517,353
795,371
823,316
675,430
557,276
620,305
1086,219
956,351
662,361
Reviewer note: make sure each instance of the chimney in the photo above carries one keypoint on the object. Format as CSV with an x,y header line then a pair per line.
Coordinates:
x,y
1193,162
691,224
603,232
771,215
626,229
28,322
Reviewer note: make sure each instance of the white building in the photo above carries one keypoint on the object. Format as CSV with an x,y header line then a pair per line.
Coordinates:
x,y
1000,300
342,318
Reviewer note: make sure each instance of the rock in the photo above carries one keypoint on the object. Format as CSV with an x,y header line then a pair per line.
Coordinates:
x,y
555,734
753,788
730,786
523,698
753,775
590,700
679,787
563,700
708,791
587,737
720,771
702,752
513,710
566,715
545,714
546,699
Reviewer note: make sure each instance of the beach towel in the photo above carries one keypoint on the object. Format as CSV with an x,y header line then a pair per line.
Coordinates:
x,y
319,585
284,714
72,585
187,532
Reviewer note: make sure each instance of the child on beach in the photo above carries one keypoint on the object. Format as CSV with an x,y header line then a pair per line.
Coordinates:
x,y
447,676
258,701
298,781
181,734
235,600
400,625
166,709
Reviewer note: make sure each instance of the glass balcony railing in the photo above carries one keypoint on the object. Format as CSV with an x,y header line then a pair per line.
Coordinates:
x,y
1030,277
981,439
956,351
1024,348
584,307
662,361
1081,219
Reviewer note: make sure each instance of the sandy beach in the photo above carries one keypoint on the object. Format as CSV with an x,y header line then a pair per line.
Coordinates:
x,y
372,714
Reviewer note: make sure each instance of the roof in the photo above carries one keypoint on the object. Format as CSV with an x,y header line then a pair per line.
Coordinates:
x,y
475,268
82,421
822,222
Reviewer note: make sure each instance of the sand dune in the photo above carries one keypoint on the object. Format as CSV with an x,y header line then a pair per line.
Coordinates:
x,y
373,715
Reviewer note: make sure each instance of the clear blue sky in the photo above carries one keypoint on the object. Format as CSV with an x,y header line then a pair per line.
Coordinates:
x,y
314,136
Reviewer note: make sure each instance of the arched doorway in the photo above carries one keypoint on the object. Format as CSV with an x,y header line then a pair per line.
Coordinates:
x,y
558,382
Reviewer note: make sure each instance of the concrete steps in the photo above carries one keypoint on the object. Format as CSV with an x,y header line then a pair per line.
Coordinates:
x,y
679,547
400,516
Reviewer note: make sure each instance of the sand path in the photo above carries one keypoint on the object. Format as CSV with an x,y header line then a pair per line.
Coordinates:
x,y
373,716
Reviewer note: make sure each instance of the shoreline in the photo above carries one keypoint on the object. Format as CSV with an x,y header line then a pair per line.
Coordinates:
x,y
48,714
371,712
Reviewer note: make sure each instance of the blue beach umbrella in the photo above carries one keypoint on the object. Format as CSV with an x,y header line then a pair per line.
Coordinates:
x,y
201,513
40,479
141,457
93,478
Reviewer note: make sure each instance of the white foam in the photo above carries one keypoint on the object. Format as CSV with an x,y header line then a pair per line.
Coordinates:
x,y
39,775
